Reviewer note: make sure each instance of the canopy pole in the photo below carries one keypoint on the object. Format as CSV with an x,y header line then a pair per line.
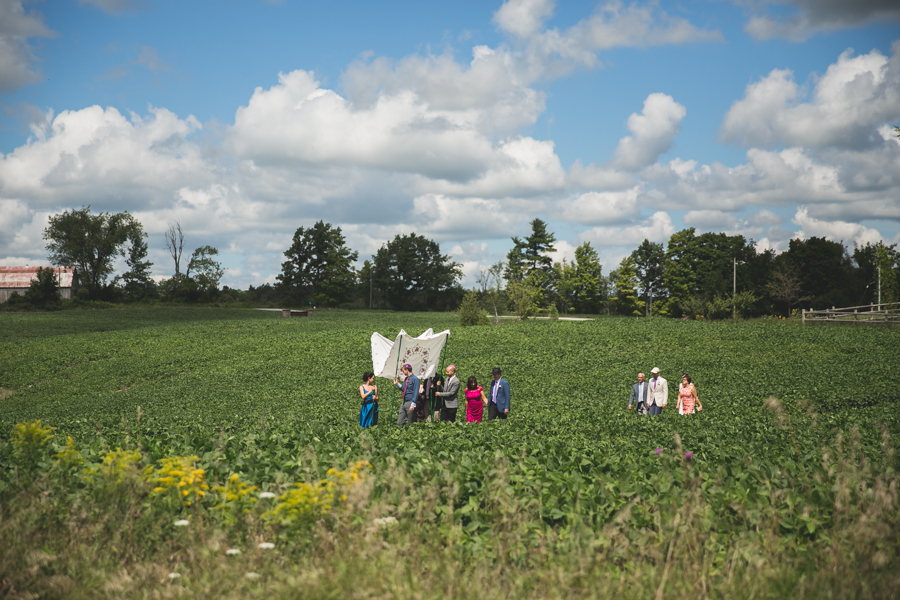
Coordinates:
x,y
396,370
440,370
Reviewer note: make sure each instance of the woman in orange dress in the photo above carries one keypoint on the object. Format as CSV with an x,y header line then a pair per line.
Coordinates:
x,y
687,396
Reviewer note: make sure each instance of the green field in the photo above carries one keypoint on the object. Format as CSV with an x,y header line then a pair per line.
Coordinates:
x,y
790,497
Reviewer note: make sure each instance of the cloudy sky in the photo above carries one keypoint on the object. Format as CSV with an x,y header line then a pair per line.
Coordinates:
x,y
461,121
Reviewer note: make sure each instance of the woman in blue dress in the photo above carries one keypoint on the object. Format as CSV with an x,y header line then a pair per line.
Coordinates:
x,y
368,391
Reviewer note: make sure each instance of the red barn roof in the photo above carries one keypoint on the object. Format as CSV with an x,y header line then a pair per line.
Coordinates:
x,y
21,277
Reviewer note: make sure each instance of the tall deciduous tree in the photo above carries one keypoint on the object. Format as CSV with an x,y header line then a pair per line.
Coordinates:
x,y
89,243
175,244
590,291
824,268
412,273
626,283
207,272
319,266
649,259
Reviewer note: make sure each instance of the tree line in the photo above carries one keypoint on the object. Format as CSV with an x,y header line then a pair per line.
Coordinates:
x,y
709,275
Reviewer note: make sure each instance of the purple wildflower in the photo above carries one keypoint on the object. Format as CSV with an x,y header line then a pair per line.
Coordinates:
x,y
689,455
659,450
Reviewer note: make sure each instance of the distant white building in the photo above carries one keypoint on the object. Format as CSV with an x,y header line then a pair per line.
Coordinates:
x,y
18,279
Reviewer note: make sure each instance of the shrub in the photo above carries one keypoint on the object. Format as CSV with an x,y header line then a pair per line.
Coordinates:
x,y
471,313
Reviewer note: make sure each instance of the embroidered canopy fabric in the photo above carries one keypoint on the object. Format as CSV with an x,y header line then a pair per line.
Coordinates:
x,y
422,353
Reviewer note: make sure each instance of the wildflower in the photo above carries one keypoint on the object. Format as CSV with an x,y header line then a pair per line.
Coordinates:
x,y
181,523
174,575
232,552
252,575
264,495
689,455
266,545
181,473
385,522
659,450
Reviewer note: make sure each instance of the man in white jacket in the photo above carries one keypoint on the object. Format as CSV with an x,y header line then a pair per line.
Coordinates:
x,y
658,394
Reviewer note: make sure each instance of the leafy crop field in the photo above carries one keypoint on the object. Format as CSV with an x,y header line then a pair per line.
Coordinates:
x,y
251,420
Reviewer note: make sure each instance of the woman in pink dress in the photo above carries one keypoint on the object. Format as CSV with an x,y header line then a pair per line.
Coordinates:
x,y
475,401
687,396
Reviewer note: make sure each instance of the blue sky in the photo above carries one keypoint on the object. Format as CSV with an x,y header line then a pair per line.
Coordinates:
x,y
613,121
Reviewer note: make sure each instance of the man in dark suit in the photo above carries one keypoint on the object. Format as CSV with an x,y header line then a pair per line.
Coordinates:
x,y
410,391
498,398
450,396
639,392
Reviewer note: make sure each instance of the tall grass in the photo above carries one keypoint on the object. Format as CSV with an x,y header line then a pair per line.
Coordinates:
x,y
390,535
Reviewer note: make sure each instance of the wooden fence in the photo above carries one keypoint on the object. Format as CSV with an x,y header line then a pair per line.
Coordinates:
x,y
871,313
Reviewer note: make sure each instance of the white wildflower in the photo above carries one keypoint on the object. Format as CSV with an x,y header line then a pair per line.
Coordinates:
x,y
232,551
174,575
265,495
386,522
252,575
182,523
266,545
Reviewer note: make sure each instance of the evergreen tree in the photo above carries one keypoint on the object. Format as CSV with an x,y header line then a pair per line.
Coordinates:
x,y
138,283
412,273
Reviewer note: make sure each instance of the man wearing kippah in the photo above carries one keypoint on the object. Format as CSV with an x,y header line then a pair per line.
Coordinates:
x,y
450,395
410,391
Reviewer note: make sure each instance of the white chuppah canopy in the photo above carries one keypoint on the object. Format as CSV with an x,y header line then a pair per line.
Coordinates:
x,y
422,353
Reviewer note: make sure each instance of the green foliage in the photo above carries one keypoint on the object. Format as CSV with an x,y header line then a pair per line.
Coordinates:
x,y
90,243
525,297
319,269
531,254
553,313
411,272
138,284
30,441
471,313
793,482
649,259
626,282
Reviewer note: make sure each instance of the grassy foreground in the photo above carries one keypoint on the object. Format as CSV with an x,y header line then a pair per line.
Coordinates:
x,y
240,427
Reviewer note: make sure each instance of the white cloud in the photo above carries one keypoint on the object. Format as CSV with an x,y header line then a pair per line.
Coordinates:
x,y
710,219
812,16
96,156
855,96
16,56
838,231
523,18
602,207
658,228
653,132
551,52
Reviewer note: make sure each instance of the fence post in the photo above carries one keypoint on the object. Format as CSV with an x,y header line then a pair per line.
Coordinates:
x,y
803,317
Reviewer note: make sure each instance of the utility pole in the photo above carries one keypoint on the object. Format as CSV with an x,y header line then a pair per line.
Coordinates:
x,y
879,287
734,290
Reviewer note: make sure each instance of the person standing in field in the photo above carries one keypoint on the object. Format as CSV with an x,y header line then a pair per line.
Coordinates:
x,y
450,396
687,396
410,391
475,401
368,413
499,404
658,394
639,392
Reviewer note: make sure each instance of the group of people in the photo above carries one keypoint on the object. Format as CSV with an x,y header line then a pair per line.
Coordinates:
x,y
652,396
436,398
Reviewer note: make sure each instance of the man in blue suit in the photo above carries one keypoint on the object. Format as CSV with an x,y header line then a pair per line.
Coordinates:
x,y
410,390
498,399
